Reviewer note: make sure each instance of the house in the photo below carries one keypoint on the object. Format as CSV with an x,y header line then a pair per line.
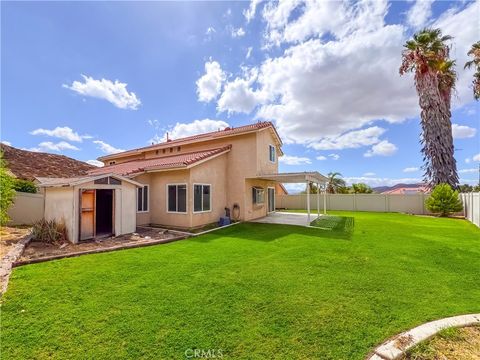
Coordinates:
x,y
405,189
182,183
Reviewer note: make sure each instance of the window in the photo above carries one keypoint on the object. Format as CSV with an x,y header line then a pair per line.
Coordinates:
x,y
271,153
142,199
107,180
258,195
177,198
201,198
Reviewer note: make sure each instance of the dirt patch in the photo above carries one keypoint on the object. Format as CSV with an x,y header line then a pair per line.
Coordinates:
x,y
453,343
144,235
9,236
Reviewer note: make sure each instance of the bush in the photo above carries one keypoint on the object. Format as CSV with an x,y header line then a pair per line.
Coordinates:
x,y
24,186
49,232
443,200
7,193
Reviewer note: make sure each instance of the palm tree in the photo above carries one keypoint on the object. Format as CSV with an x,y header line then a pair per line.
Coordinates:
x,y
427,56
475,53
361,188
335,182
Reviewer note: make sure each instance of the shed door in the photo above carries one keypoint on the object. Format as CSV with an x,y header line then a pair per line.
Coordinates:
x,y
87,214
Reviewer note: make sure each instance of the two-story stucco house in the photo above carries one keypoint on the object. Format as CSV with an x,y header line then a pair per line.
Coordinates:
x,y
185,183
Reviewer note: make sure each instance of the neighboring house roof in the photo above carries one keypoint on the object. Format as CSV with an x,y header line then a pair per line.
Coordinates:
x,y
65,182
28,165
229,131
282,189
174,162
413,189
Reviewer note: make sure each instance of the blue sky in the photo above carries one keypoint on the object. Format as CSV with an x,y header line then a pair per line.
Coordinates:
x,y
89,78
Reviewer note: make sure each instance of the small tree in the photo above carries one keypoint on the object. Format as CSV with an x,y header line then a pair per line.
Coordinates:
x,y
361,188
7,193
444,200
25,186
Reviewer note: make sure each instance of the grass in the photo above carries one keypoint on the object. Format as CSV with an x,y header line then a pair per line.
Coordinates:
x,y
334,223
254,291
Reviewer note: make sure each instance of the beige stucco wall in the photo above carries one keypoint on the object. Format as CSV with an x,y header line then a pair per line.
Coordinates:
x,y
26,209
253,211
264,165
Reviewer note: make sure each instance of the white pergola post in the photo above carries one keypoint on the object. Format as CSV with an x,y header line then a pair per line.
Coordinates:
x,y
318,200
308,202
325,200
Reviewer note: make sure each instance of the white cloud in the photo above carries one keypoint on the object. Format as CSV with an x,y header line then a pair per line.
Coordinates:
x,y
50,146
369,174
236,33
252,8
294,160
210,84
107,148
210,30
468,171
419,13
350,140
8,143
476,157
294,188
463,131
95,163
64,133
411,169
321,157
249,53
114,92
383,148
237,95
181,130
338,70
334,156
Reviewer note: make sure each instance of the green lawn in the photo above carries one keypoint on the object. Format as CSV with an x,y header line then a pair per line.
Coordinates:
x,y
255,291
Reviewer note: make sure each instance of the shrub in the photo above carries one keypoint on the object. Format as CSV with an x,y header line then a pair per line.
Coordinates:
x,y
49,231
26,186
7,193
443,200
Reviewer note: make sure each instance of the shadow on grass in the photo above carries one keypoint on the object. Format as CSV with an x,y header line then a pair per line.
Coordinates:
x,y
272,232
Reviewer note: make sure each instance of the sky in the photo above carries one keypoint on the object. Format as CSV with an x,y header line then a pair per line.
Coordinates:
x,y
85,79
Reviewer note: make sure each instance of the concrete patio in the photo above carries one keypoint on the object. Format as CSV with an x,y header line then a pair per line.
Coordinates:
x,y
286,218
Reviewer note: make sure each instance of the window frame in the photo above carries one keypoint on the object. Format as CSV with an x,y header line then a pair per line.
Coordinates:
x,y
167,198
270,146
254,200
148,199
193,192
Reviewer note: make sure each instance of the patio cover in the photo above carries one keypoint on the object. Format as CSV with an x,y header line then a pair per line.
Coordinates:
x,y
307,177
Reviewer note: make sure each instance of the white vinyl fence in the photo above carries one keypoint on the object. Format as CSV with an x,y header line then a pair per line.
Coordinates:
x,y
411,203
27,209
471,207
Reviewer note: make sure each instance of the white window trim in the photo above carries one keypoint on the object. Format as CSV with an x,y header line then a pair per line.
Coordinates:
x,y
148,199
258,203
186,198
274,153
211,197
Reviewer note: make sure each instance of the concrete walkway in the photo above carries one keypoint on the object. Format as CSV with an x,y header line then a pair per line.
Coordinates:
x,y
286,218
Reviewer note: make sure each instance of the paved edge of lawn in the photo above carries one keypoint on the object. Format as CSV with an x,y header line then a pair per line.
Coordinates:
x,y
397,346
7,263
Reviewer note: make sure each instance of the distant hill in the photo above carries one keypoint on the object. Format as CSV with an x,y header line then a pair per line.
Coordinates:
x,y
29,165
382,189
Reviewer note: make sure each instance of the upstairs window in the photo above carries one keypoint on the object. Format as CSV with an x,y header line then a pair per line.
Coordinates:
x,y
142,199
271,153
201,197
177,198
258,195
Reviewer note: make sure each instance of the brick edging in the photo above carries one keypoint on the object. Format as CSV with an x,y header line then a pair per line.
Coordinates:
x,y
97,251
397,346
8,261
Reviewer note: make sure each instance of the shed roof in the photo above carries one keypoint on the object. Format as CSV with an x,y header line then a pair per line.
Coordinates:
x,y
73,181
174,162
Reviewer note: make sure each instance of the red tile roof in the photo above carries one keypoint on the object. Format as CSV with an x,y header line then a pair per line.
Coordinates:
x,y
229,131
160,163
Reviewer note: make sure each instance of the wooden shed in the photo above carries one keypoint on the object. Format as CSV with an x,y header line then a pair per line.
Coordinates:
x,y
91,206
